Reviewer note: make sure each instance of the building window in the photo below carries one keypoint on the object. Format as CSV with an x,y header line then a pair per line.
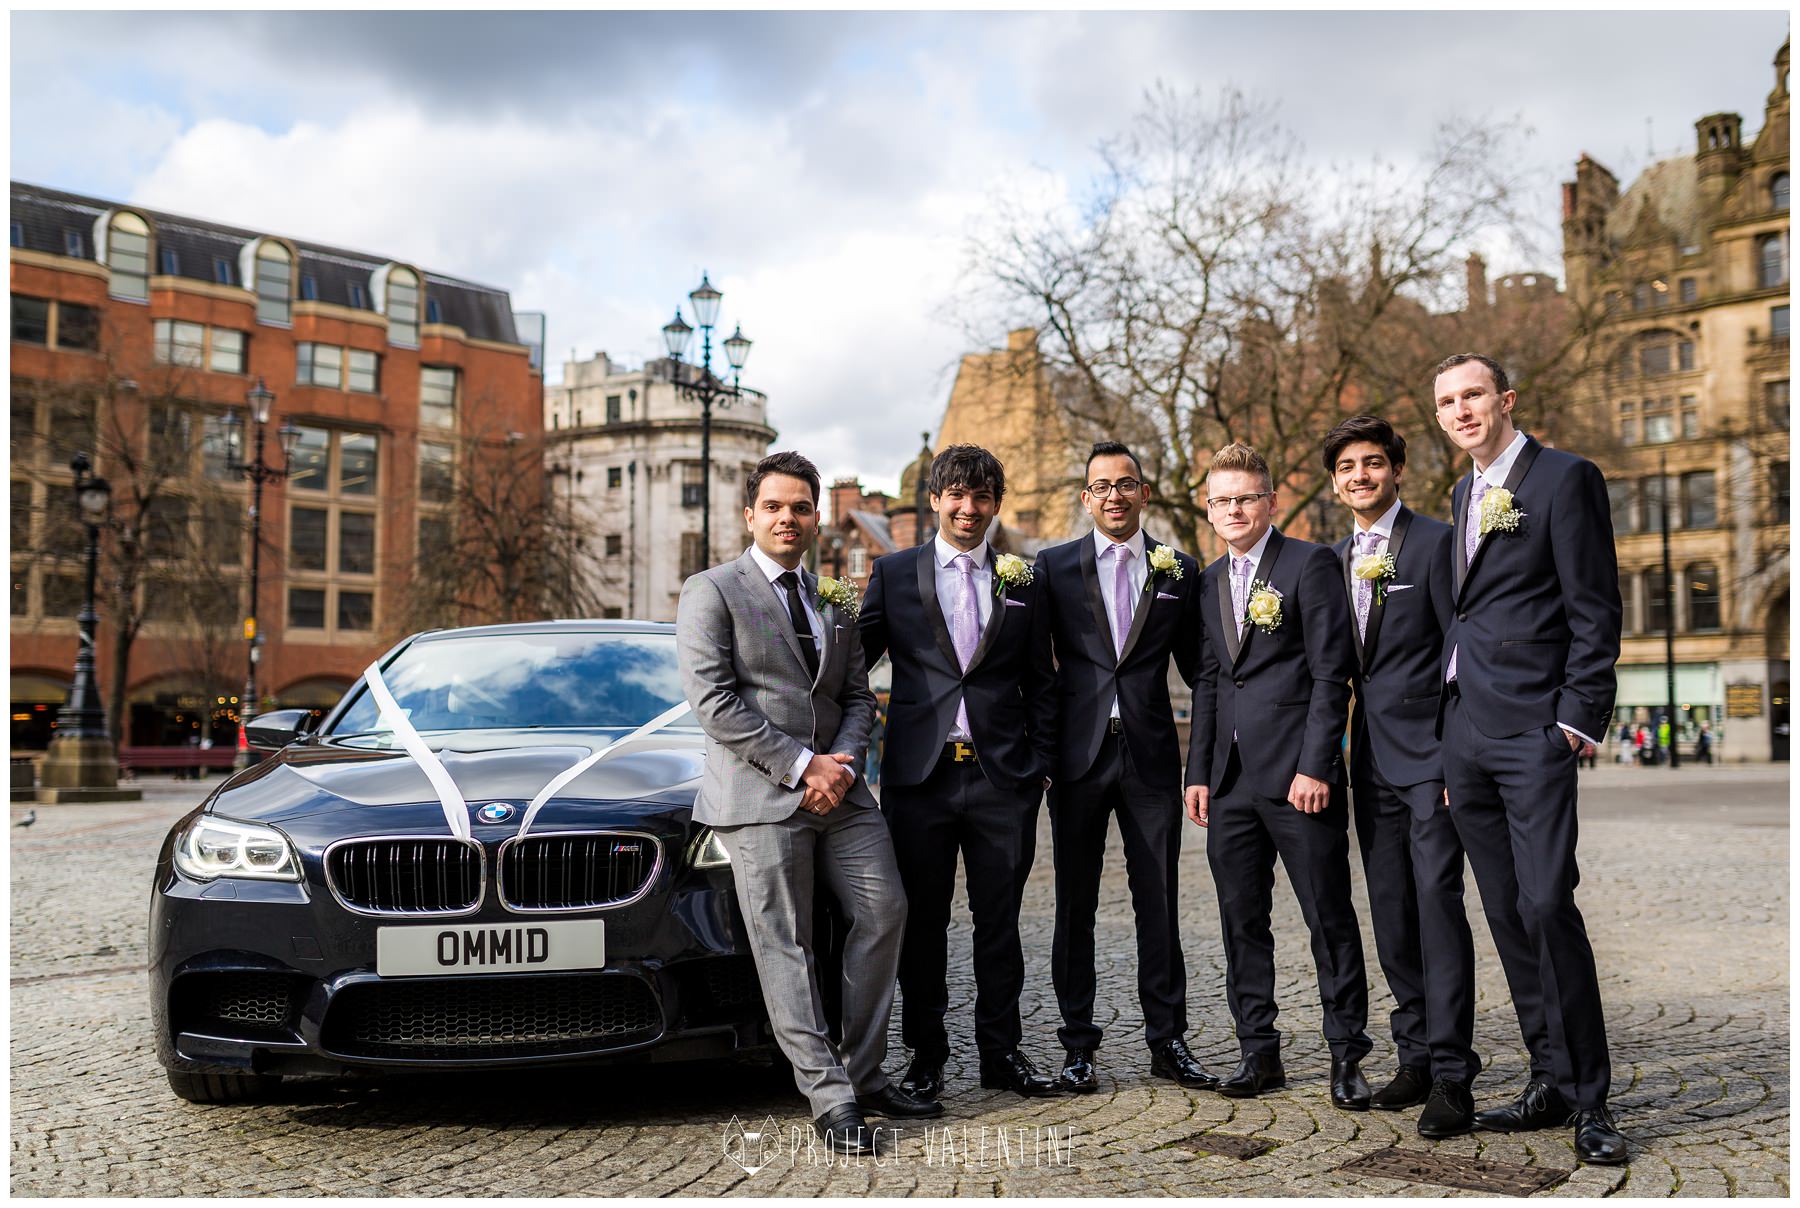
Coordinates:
x,y
693,555
319,365
615,545
221,270
1702,597
332,543
178,343
1771,261
30,319
74,244
437,397
1659,422
1775,403
1622,496
1628,423
215,450
1628,599
357,462
434,537
615,478
309,288
171,439
1654,359
128,256
1651,491
432,312
356,543
1690,417
222,523
1641,296
365,371
171,263
1778,492
1656,604
403,306
693,485
1778,324
1690,289
358,298
614,404
306,608
307,538
165,532
437,472
859,561
274,283
1778,191
18,234
1699,501
356,611
309,467
1684,355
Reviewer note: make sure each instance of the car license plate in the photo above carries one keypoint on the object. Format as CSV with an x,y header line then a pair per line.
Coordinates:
x,y
482,948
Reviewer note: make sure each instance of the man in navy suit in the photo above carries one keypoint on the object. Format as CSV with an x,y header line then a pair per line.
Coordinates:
x,y
1121,606
1528,678
1399,578
1265,771
970,744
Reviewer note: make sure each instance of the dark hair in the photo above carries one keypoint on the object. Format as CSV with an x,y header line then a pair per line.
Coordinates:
x,y
791,464
969,466
1501,385
1370,428
1112,448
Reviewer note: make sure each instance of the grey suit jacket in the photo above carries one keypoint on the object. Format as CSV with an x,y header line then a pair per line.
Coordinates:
x,y
744,675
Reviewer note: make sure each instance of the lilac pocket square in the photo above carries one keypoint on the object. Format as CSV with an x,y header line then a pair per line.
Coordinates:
x,y
1017,604
1163,595
1394,587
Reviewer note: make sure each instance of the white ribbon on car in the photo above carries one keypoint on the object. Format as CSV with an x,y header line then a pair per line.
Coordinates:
x,y
456,806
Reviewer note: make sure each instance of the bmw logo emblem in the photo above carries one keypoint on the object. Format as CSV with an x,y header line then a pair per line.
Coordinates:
x,y
494,811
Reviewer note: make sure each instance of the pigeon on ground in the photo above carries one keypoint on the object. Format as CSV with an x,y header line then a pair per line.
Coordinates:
x,y
28,819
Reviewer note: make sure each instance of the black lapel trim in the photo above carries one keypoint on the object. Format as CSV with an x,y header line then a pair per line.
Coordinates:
x,y
1090,581
1402,522
996,619
1260,573
926,565
1141,612
1227,619
1346,552
1459,507
809,583
1521,467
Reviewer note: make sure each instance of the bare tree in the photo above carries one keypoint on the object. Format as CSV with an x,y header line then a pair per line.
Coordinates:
x,y
1216,289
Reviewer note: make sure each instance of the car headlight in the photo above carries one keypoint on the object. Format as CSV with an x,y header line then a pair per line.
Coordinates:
x,y
216,847
709,852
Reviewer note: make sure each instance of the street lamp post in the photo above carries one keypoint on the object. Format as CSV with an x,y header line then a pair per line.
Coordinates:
x,y
81,764
707,390
260,401
1668,585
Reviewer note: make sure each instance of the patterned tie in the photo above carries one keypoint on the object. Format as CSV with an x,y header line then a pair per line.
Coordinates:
x,y
1366,544
789,582
965,626
1471,541
1240,590
1121,595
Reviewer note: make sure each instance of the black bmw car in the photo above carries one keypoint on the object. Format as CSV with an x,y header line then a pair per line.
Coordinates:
x,y
324,913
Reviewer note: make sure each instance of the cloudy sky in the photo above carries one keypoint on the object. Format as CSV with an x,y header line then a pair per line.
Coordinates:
x,y
825,168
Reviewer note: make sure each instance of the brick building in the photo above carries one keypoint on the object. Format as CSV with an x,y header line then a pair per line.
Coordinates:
x,y
135,332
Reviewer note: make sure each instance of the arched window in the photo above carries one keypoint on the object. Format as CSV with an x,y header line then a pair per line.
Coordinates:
x,y
274,276
1772,260
1702,596
1778,191
128,255
397,296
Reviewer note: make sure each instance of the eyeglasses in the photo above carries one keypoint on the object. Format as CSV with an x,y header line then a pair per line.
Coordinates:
x,y
1224,503
1126,487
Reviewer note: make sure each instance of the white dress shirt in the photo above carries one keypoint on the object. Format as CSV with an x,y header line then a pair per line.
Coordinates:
x,y
774,570
947,579
1383,528
1137,570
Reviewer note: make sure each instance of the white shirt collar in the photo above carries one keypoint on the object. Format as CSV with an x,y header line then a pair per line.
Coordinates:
x,y
769,567
1135,543
946,553
1502,465
1384,527
1256,551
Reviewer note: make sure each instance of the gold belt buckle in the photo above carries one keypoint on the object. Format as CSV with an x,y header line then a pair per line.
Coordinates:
x,y
964,753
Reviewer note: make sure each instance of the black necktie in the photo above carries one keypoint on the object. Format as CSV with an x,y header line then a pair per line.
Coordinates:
x,y
802,627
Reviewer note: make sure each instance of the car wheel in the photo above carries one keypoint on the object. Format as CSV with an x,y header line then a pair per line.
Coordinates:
x,y
221,1088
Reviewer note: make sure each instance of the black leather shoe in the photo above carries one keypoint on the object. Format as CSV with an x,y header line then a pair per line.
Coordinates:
x,y
924,1078
1255,1074
844,1131
1408,1089
1597,1138
1078,1076
896,1104
1171,1059
1349,1089
1014,1072
1541,1106
1449,1112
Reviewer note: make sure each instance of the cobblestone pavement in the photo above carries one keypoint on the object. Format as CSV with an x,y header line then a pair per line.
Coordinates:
x,y
1686,898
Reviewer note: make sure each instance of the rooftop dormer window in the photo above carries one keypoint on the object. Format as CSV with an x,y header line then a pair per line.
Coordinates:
x,y
271,274
397,297
126,239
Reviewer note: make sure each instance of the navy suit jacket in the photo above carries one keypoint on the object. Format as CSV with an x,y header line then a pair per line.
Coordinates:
x,y
1165,622
1537,614
1393,729
1010,686
1286,693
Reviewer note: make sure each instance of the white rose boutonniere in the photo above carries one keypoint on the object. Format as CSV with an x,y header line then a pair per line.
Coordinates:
x,y
1264,608
1010,570
1164,562
1377,569
840,595
1498,515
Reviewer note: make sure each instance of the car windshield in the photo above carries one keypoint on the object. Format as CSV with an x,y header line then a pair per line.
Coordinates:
x,y
526,680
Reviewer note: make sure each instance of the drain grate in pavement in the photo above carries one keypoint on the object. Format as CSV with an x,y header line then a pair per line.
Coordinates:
x,y
1471,1174
1226,1145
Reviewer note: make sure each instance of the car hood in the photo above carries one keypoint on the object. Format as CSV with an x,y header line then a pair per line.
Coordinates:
x,y
510,766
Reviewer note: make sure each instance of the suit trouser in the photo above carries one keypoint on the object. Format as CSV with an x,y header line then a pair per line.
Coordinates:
x,y
1513,802
1413,867
1150,823
1244,834
773,865
956,809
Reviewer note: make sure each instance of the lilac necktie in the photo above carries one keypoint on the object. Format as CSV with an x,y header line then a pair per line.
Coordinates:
x,y
1240,590
965,626
1121,596
1366,544
1471,540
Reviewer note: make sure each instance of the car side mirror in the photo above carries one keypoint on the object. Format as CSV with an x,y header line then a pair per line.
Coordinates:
x,y
269,732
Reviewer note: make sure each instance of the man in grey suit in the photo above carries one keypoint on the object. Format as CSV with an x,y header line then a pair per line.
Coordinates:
x,y
776,676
